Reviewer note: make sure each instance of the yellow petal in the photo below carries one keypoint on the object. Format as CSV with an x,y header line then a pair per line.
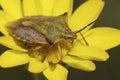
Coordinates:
x,y
85,14
2,25
56,72
6,16
10,43
62,6
58,50
12,58
88,52
30,7
78,63
13,7
47,7
36,66
104,38
4,19
53,57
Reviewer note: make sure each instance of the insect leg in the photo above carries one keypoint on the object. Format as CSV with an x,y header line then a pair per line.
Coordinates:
x,y
60,53
36,48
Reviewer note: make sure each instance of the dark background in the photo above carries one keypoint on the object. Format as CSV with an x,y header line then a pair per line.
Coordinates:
x,y
109,70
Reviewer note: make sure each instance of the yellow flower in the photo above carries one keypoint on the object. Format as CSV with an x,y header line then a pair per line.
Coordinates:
x,y
81,54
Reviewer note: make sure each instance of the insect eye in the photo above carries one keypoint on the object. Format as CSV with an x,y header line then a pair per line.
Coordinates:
x,y
70,36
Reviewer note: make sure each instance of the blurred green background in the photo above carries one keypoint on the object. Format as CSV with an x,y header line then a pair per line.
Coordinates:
x,y
109,70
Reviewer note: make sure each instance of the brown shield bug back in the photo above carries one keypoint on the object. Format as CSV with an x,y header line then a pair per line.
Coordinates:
x,y
41,29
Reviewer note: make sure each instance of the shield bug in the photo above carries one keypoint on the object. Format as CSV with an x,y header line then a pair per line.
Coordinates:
x,y
34,32
41,29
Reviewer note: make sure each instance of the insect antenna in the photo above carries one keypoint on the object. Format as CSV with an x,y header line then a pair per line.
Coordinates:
x,y
83,35
85,27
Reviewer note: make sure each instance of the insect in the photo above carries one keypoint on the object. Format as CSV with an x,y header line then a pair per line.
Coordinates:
x,y
41,29
35,31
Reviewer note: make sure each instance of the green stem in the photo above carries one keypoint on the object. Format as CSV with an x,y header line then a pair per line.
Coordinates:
x,y
38,76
